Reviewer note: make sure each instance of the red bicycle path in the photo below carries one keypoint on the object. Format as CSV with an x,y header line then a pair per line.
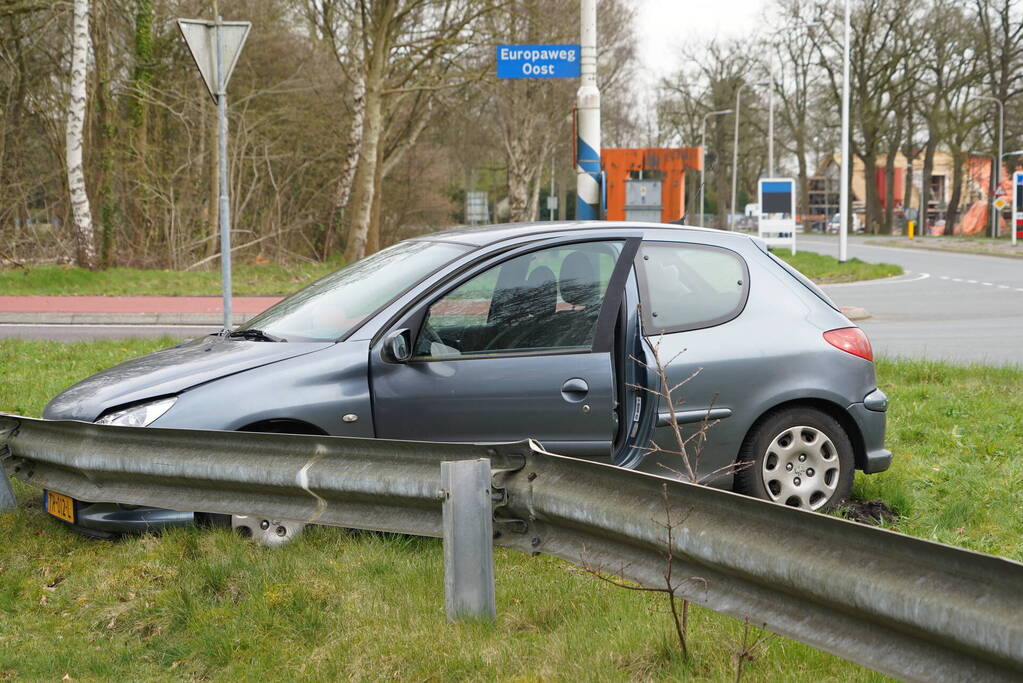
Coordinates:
x,y
132,304
128,310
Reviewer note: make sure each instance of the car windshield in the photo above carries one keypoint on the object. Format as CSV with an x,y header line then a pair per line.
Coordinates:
x,y
332,307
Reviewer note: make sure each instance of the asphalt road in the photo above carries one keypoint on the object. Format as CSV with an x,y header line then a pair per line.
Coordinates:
x,y
957,307
71,332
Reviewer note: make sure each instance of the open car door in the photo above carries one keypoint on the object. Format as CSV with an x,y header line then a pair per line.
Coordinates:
x,y
520,348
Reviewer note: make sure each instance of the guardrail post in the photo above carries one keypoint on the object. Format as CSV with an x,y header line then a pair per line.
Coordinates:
x,y
7,501
468,540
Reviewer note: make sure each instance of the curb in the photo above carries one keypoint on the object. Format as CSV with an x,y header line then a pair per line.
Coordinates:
x,y
855,313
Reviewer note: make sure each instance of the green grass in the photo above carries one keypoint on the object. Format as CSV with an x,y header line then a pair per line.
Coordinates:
x,y
247,280
824,269
204,604
958,472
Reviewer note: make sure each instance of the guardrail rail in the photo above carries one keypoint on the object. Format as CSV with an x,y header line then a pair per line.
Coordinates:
x,y
900,605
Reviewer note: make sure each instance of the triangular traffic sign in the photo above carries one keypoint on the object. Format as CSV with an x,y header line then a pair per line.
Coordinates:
x,y
201,37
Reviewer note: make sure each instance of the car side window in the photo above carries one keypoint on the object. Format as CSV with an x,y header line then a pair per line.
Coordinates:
x,y
690,286
547,300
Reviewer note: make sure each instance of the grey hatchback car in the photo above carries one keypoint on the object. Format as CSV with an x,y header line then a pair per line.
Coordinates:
x,y
545,331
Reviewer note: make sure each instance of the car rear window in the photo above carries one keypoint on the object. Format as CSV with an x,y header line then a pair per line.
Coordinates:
x,y
802,279
690,286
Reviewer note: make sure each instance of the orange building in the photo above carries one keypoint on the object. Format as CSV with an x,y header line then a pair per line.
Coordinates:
x,y
648,184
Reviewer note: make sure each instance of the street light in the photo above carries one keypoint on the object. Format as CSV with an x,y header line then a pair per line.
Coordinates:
x,y
703,153
998,166
735,143
843,202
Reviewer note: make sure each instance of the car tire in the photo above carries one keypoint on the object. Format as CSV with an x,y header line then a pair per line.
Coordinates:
x,y
801,457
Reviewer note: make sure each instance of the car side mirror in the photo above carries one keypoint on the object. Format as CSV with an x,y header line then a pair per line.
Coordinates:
x,y
398,346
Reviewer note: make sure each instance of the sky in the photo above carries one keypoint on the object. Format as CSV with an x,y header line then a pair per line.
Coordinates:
x,y
663,26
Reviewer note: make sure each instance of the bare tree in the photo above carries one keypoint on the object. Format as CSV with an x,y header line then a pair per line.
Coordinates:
x,y
674,587
408,46
709,83
752,645
1000,39
791,48
328,18
533,115
878,60
76,134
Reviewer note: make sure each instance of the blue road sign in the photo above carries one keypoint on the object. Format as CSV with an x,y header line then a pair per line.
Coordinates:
x,y
537,61
776,196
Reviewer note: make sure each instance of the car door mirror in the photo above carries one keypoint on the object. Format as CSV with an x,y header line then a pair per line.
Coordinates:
x,y
398,346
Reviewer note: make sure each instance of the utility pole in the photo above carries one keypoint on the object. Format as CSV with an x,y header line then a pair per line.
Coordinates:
x,y
735,147
770,131
843,202
588,111
996,172
703,155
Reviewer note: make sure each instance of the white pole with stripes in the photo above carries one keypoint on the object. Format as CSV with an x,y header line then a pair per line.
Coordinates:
x,y
588,112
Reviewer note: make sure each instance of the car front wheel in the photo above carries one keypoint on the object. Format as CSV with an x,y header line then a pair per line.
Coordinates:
x,y
799,457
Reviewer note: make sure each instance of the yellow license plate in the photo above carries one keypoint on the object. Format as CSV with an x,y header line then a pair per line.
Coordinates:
x,y
59,505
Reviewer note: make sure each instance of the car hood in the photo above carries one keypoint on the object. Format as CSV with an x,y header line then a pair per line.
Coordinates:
x,y
168,372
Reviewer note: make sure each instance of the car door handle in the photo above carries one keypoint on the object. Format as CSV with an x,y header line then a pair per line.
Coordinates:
x,y
574,390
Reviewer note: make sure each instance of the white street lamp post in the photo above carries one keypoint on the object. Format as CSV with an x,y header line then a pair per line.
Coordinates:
x,y
997,170
735,146
843,202
703,154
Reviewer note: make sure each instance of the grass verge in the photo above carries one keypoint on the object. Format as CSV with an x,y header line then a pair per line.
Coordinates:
x,y
824,269
203,604
247,280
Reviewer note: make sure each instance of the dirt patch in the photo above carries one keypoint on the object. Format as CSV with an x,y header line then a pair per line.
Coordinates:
x,y
871,512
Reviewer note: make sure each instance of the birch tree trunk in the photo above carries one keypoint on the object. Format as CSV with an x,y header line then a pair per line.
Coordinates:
x,y
351,161
363,190
81,213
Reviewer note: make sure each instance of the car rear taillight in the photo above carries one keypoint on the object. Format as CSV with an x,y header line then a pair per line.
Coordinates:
x,y
851,340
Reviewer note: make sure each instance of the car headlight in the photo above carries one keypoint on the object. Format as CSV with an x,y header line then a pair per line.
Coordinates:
x,y
141,415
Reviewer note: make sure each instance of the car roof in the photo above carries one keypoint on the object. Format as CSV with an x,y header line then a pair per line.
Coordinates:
x,y
483,235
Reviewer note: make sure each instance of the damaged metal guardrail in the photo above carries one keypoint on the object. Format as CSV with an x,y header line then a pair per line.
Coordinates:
x,y
900,605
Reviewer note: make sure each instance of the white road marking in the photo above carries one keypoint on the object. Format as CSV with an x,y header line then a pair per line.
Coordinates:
x,y
986,284
883,281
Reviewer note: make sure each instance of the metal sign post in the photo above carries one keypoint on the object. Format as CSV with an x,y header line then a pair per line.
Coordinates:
x,y
777,200
215,46
1016,225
